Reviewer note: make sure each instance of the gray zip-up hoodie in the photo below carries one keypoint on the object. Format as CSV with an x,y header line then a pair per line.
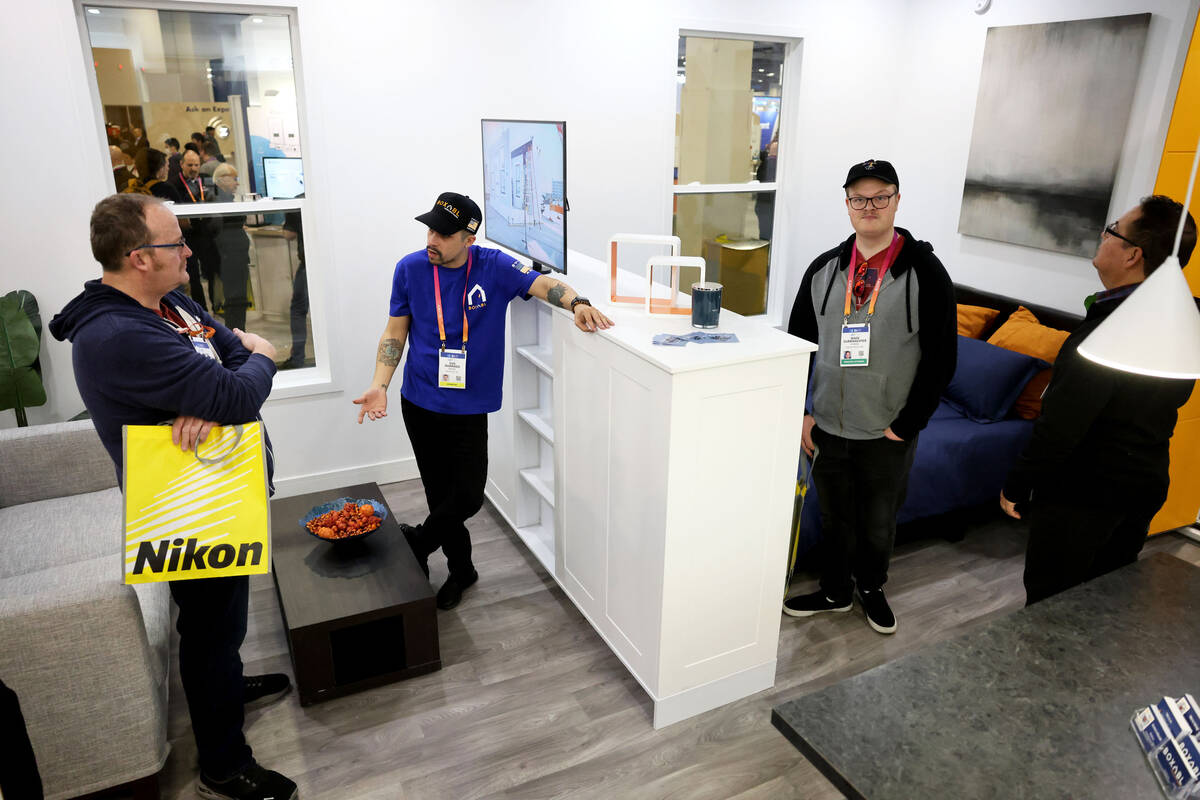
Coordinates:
x,y
914,344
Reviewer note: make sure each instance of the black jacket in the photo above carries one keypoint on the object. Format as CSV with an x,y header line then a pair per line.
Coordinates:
x,y
1103,433
132,369
934,309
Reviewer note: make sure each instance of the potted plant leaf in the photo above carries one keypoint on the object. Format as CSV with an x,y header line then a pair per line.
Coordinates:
x,y
20,344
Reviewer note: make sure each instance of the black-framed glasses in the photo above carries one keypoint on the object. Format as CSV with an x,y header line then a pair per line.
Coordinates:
x,y
180,244
878,201
1111,230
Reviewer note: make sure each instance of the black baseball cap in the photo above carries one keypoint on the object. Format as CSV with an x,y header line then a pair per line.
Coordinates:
x,y
873,168
452,213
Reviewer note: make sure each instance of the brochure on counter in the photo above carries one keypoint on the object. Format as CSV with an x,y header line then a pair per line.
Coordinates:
x,y
699,337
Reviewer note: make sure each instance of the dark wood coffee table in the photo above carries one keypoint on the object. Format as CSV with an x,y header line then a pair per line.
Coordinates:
x,y
357,614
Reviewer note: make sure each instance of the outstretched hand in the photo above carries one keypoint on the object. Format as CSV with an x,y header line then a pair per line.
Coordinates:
x,y
372,404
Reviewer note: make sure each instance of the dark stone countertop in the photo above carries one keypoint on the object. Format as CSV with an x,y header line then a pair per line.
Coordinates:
x,y
1032,705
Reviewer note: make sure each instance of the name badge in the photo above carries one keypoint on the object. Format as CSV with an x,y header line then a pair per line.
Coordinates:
x,y
452,369
204,348
856,345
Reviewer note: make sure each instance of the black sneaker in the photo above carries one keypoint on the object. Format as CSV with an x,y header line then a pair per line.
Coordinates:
x,y
262,690
879,613
805,605
252,783
413,537
452,590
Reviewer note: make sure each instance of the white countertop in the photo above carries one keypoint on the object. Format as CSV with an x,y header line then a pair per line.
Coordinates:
x,y
635,330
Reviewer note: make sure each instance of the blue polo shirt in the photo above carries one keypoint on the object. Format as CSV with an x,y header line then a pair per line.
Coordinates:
x,y
494,281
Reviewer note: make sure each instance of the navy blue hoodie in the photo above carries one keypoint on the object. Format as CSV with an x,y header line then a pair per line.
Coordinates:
x,y
132,368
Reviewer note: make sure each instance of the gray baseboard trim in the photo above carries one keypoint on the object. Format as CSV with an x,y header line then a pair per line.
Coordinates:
x,y
401,469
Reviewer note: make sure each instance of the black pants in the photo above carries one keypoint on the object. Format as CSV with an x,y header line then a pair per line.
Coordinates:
x,y
299,316
451,452
18,768
212,625
234,247
205,263
1074,540
861,484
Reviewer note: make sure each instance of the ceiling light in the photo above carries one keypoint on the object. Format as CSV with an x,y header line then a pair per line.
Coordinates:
x,y
1156,330
257,20
770,74
760,69
93,11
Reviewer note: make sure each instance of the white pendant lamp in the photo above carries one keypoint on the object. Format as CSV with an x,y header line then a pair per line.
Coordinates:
x,y
1156,330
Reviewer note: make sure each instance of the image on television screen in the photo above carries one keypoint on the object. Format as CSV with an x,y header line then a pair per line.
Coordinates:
x,y
284,177
524,188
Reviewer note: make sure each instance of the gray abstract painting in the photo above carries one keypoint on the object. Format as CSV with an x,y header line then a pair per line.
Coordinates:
x,y
1054,102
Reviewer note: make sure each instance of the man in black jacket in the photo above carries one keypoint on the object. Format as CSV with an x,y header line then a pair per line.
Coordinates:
x,y
1095,471
888,345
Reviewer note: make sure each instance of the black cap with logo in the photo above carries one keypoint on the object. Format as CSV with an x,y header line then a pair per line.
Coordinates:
x,y
873,168
452,213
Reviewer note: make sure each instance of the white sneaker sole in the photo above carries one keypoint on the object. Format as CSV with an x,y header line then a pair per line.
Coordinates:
x,y
875,626
838,610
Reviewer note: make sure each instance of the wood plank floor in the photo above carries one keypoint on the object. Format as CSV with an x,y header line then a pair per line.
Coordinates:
x,y
531,704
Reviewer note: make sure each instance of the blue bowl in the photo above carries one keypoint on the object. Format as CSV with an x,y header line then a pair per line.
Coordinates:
x,y
336,505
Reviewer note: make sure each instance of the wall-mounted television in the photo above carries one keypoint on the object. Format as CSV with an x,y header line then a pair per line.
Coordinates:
x,y
284,177
525,189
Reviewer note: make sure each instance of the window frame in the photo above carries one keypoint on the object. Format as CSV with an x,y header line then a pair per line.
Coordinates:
x,y
789,118
324,377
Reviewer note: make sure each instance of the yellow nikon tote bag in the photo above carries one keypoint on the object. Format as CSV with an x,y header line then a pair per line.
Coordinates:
x,y
198,514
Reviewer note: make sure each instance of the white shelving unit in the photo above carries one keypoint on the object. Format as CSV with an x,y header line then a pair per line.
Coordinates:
x,y
655,485
530,394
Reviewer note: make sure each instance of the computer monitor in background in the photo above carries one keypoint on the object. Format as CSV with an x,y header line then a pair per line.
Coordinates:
x,y
284,177
525,189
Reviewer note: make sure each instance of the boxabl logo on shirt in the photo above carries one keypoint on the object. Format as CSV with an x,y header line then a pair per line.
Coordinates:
x,y
476,298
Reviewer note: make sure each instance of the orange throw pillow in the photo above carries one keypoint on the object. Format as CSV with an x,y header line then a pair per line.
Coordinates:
x,y
973,320
1023,333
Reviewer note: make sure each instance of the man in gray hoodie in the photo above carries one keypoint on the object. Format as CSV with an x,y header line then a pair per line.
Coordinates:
x,y
881,307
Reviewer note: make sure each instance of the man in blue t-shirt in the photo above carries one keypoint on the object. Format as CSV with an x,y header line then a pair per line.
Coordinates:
x,y
448,300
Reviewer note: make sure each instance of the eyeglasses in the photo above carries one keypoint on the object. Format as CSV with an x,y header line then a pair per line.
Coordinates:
x,y
878,201
1111,230
182,243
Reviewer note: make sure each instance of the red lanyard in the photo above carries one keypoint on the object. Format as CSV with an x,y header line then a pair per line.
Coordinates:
x,y
437,293
199,185
887,263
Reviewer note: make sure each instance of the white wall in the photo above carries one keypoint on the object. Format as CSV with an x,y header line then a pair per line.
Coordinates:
x,y
393,94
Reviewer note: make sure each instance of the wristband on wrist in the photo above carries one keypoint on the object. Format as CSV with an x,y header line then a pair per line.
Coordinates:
x,y
579,301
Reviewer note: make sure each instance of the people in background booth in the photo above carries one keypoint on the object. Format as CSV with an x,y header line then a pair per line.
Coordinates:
x,y
214,147
122,175
173,156
881,307
151,168
1095,471
449,303
205,261
234,247
208,160
142,356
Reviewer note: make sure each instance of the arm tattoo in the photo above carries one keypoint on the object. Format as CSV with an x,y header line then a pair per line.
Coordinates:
x,y
555,294
390,351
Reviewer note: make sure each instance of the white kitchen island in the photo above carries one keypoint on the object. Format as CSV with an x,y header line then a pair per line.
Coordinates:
x,y
656,485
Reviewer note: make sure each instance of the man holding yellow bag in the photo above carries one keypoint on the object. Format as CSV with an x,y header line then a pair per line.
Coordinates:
x,y
145,354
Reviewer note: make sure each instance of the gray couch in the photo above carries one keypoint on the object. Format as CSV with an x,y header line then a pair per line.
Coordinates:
x,y
86,654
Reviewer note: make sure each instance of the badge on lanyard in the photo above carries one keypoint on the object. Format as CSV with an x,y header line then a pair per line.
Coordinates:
x,y
452,364
202,346
855,345
452,369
